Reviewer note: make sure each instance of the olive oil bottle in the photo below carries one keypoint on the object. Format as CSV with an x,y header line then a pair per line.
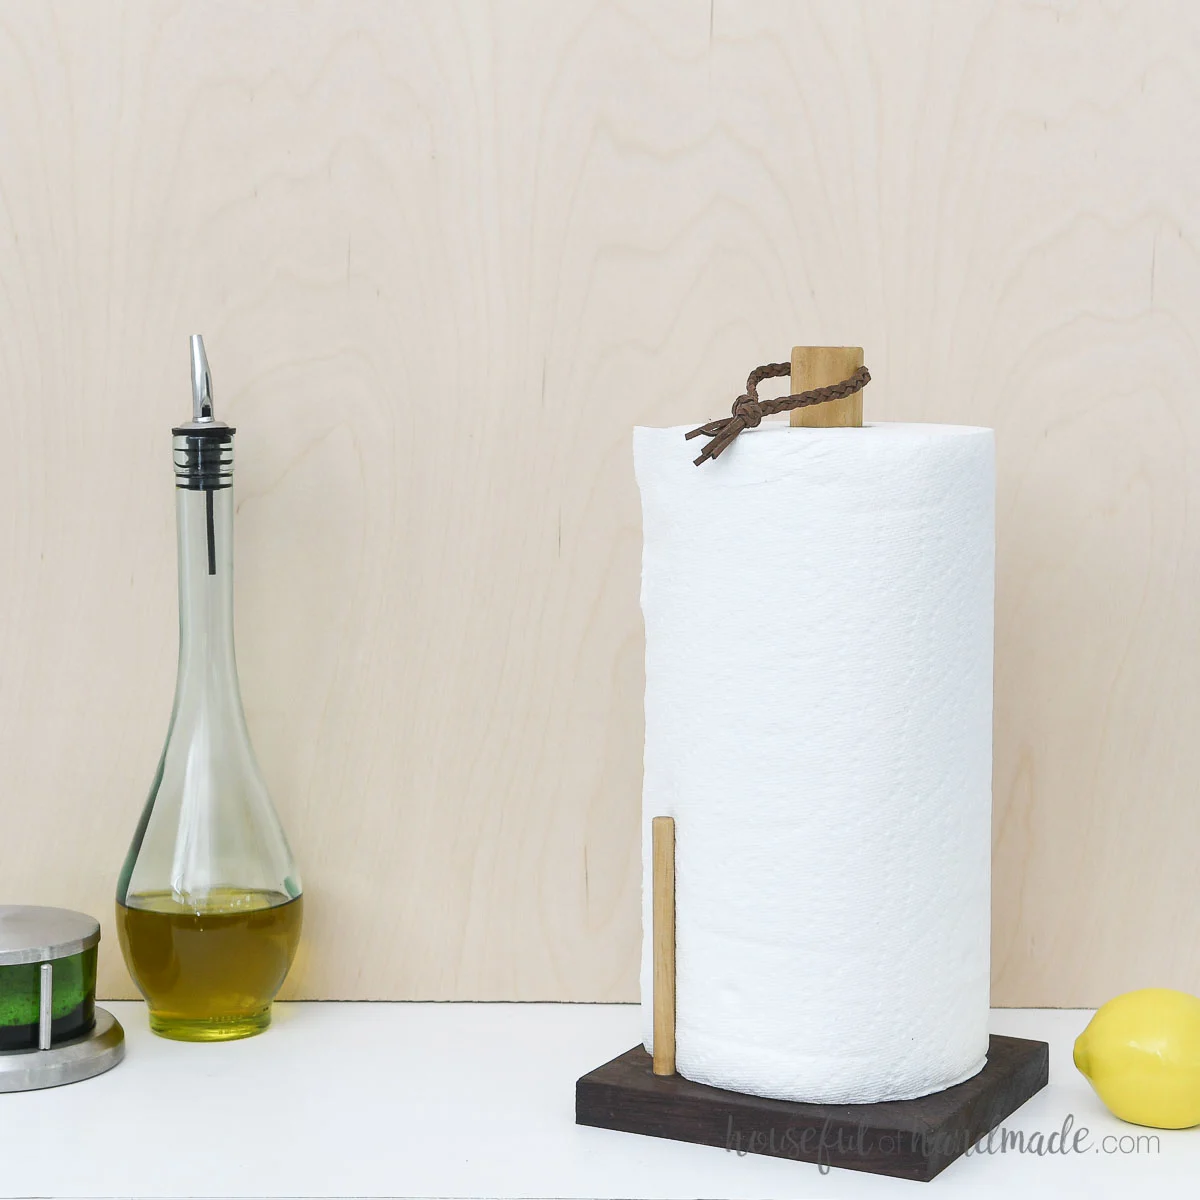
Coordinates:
x,y
209,900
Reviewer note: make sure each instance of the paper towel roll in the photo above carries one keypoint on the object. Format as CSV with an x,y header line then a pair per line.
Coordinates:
x,y
819,618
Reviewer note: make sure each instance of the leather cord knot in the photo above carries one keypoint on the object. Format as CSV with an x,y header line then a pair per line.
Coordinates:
x,y
748,410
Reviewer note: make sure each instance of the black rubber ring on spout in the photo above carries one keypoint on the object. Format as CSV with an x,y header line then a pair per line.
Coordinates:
x,y
204,463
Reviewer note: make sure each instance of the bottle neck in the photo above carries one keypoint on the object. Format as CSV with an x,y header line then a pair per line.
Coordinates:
x,y
204,523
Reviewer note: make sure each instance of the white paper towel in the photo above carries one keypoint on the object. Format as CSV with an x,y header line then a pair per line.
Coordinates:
x,y
819,620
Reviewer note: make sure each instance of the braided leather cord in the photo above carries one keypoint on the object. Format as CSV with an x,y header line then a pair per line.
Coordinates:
x,y
749,410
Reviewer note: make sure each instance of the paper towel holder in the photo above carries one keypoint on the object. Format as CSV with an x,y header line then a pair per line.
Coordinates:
x,y
637,1093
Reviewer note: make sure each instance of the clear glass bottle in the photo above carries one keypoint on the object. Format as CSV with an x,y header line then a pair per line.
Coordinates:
x,y
209,900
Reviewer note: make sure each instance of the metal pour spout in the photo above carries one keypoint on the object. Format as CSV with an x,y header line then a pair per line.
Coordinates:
x,y
202,398
203,447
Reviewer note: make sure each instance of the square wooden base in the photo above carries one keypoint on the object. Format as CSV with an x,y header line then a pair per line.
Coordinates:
x,y
911,1139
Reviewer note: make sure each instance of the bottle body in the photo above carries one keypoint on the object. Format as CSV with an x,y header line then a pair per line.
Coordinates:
x,y
209,900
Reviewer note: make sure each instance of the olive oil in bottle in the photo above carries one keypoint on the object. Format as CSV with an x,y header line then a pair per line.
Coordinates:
x,y
209,900
227,956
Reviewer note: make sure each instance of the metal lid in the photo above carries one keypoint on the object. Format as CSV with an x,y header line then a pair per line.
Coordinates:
x,y
31,934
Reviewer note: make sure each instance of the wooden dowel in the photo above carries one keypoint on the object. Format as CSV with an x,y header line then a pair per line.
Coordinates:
x,y
819,366
663,852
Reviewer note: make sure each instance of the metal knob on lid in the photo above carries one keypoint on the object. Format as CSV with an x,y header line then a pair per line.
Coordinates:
x,y
50,1029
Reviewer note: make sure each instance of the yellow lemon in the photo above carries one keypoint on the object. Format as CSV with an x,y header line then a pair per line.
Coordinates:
x,y
1141,1052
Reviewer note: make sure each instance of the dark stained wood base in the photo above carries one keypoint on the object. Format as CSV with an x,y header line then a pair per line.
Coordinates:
x,y
910,1139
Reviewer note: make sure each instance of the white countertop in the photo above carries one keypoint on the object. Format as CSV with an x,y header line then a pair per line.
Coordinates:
x,y
477,1100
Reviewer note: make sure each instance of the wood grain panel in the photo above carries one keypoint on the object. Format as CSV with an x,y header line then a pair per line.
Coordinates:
x,y
444,257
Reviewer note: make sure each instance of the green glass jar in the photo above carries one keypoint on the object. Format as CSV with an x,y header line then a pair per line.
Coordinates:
x,y
73,1002
49,949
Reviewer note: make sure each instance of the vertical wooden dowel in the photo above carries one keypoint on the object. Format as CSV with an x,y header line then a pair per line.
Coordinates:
x,y
663,852
819,366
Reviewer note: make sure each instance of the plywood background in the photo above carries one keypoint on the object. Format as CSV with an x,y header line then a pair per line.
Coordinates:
x,y
445,256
